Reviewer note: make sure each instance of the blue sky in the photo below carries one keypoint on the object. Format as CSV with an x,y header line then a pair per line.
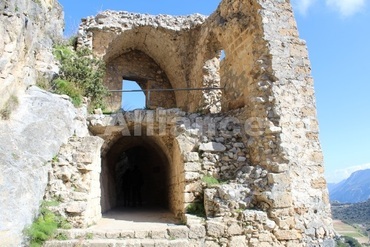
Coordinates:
x,y
338,38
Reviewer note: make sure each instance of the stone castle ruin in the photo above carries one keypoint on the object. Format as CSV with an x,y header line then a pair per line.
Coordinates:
x,y
253,127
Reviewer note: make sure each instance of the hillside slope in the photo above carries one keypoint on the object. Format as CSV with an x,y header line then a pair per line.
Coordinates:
x,y
354,189
357,213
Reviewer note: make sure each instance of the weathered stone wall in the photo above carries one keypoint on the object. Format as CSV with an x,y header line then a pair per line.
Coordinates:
x,y
267,149
278,93
74,181
255,195
167,40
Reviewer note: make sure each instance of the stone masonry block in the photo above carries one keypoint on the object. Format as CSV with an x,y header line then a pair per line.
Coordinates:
x,y
141,234
192,166
113,234
238,241
178,232
178,243
127,234
147,242
234,229
158,234
212,147
209,243
191,176
287,234
197,231
85,158
215,229
191,156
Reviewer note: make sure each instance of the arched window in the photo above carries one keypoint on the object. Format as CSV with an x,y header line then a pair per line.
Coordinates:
x,y
222,55
133,99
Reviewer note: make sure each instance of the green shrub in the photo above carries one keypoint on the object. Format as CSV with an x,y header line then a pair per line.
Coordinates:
x,y
196,208
61,236
346,241
43,83
81,75
44,226
209,180
52,203
351,241
70,89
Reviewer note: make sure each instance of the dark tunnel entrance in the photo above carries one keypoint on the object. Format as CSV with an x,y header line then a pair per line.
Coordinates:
x,y
135,173
141,179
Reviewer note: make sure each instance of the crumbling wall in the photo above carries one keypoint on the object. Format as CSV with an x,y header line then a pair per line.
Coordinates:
x,y
217,146
167,40
74,181
267,149
278,96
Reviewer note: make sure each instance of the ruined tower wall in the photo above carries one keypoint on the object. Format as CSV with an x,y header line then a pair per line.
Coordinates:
x,y
165,39
268,95
267,71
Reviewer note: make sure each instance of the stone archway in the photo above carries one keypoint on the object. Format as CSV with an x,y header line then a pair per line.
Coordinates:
x,y
152,164
135,65
159,161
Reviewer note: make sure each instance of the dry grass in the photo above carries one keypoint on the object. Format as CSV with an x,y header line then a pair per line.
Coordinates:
x,y
348,230
10,105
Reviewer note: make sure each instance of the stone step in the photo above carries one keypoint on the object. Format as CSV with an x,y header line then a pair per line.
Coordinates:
x,y
176,236
171,232
192,234
119,243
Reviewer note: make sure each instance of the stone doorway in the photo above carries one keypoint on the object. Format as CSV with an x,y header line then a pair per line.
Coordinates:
x,y
138,160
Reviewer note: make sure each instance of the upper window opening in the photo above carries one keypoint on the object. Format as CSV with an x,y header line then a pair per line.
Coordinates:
x,y
133,99
222,55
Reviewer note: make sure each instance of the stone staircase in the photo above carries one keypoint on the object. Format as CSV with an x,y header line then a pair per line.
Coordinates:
x,y
172,236
169,235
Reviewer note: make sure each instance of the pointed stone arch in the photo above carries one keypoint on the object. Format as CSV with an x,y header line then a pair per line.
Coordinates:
x,y
135,65
161,165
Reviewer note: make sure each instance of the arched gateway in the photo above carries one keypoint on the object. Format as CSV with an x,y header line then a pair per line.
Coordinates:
x,y
257,133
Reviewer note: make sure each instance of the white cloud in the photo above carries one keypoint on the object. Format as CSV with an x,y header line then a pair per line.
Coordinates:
x,y
303,5
346,7
341,174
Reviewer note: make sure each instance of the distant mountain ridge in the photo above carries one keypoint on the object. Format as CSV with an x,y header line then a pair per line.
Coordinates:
x,y
354,189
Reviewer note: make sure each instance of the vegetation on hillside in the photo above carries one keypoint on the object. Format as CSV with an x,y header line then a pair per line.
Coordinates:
x,y
356,214
347,242
45,225
81,75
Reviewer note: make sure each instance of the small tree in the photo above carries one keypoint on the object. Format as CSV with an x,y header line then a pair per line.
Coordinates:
x,y
81,75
